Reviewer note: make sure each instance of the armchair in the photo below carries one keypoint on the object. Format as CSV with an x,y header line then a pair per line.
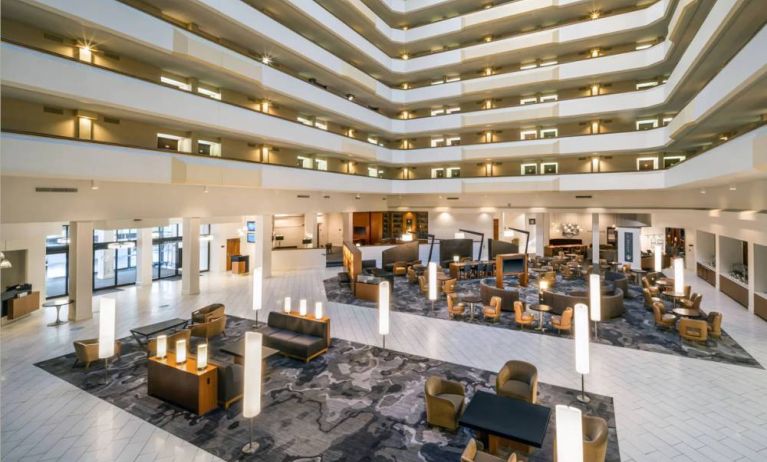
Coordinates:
x,y
230,383
472,454
87,351
207,313
594,439
695,330
564,322
649,299
693,302
208,329
714,321
518,380
184,334
411,276
520,317
449,286
654,291
444,402
662,319
492,312
423,285
399,268
453,307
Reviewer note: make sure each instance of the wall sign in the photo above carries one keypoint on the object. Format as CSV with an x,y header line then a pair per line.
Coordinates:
x,y
628,246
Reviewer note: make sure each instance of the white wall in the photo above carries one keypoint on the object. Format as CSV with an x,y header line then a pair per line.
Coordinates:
x,y
30,237
221,232
291,227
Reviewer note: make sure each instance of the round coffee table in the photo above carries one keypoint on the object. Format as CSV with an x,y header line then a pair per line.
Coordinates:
x,y
57,304
540,308
472,301
687,312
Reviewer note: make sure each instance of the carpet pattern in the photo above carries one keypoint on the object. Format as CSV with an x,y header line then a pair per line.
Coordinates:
x,y
355,403
635,329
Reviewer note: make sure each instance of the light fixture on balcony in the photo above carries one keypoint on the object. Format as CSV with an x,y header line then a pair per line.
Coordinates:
x,y
595,14
85,53
266,59
488,38
595,89
405,56
405,86
350,97
488,70
594,53
94,186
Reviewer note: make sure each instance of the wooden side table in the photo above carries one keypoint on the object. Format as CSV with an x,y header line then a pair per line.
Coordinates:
x,y
183,385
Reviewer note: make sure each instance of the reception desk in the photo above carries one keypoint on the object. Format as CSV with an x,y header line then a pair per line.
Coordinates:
x,y
20,302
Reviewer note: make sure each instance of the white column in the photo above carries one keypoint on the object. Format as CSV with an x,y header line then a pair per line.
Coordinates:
x,y
718,259
261,252
541,232
81,270
190,257
310,226
751,265
595,238
348,219
144,257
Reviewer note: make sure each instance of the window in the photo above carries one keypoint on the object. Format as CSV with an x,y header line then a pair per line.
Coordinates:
x,y
549,133
306,120
549,98
321,124
670,161
525,67
453,140
437,142
373,171
647,163
647,84
322,164
550,168
176,83
438,111
646,124
174,143
528,100
209,93
304,162
209,148
454,172
438,173
528,135
529,169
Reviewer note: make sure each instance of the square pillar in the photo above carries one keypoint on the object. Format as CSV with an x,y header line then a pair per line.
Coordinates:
x,y
81,270
310,227
595,239
190,257
144,257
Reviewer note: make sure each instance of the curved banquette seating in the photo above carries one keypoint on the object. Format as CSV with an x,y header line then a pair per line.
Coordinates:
x,y
488,290
619,281
612,301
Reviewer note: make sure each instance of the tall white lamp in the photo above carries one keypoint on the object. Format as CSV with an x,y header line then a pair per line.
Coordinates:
x,y
595,300
432,283
318,310
569,421
658,258
251,388
582,347
383,310
678,275
258,290
302,307
286,305
107,332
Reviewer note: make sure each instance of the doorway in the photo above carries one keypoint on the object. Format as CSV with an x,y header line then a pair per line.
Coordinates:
x,y
232,248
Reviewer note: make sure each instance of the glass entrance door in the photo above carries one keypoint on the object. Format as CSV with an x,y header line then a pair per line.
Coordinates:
x,y
165,263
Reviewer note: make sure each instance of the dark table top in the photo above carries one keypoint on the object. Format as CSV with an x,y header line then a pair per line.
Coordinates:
x,y
471,298
540,307
237,348
507,417
157,327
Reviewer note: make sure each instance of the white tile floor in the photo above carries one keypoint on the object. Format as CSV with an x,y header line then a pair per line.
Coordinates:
x,y
667,407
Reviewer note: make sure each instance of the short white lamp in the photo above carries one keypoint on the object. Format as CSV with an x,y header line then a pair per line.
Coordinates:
x,y
658,258
258,290
582,347
202,356
460,235
432,283
251,387
678,276
180,352
456,258
107,332
383,310
508,233
569,422
595,300
162,346
286,305
318,310
302,307
406,237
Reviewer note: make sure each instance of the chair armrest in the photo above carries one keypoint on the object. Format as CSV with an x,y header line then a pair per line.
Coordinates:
x,y
454,388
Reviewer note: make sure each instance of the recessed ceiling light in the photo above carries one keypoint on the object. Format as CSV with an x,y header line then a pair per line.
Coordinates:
x,y
205,190
94,186
733,188
350,97
703,191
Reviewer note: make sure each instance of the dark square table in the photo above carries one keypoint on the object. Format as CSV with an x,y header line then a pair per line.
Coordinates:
x,y
156,328
506,419
237,349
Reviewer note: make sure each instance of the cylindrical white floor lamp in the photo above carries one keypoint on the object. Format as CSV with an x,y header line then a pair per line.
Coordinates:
x,y
383,310
432,283
569,422
107,332
258,290
251,396
595,301
678,276
658,258
582,347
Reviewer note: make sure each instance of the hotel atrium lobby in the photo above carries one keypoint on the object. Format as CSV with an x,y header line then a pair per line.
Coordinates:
x,y
383,230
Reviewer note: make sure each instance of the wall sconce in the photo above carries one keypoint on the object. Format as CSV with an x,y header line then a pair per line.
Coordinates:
x,y
595,14
488,38
318,310
595,164
180,352
569,422
251,396
202,356
405,86
489,169
162,346
265,106
488,71
383,310
594,127
286,305
582,347
487,104
266,59
405,56
488,136
302,307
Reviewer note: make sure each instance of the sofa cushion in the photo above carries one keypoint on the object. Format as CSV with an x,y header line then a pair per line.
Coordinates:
x,y
455,400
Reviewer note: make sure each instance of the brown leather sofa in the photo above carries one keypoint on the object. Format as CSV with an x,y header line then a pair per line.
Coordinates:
x,y
611,302
444,402
488,290
519,380
299,337
207,313
87,351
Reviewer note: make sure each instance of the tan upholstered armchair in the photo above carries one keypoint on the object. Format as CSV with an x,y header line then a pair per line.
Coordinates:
x,y
714,321
183,334
209,329
454,308
693,302
594,439
206,313
411,276
399,268
662,319
423,285
492,312
449,286
695,330
649,299
471,453
87,351
654,291
564,322
519,380
444,402
520,317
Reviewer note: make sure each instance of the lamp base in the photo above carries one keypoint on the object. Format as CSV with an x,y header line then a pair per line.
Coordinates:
x,y
583,398
251,448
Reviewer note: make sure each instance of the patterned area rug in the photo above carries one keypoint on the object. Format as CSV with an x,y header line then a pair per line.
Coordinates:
x,y
355,403
635,329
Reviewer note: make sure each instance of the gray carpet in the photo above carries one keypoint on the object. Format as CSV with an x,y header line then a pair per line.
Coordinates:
x,y
355,403
635,329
